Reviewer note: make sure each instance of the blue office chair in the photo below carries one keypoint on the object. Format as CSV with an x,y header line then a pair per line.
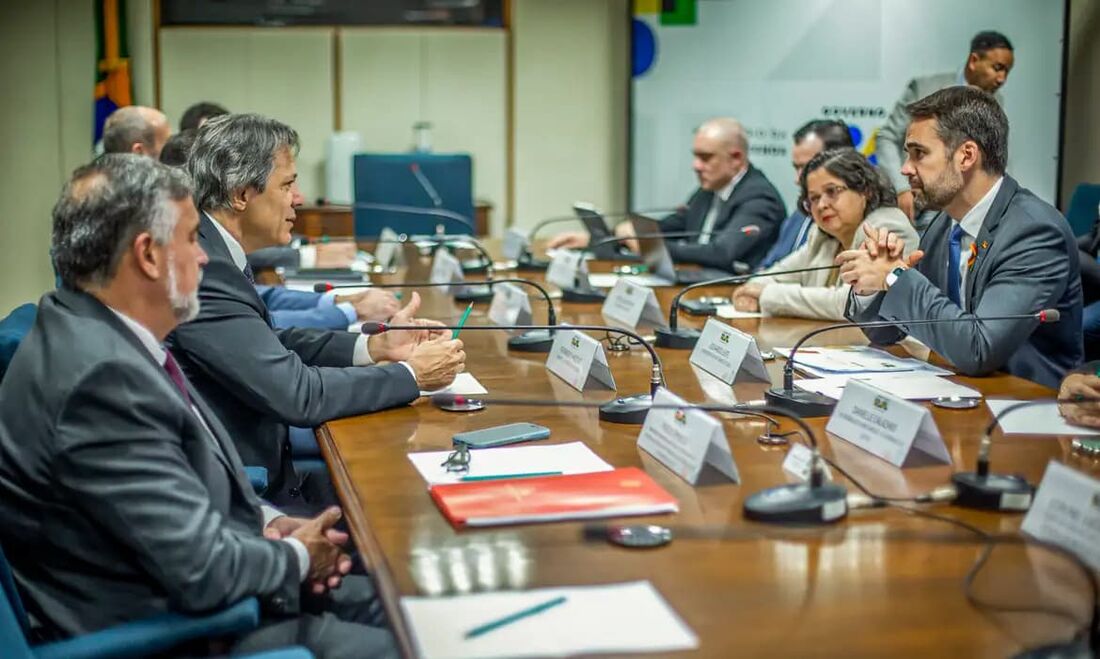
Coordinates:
x,y
133,639
434,182
1083,205
12,330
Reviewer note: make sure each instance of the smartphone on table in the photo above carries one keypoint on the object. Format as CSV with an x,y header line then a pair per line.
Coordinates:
x,y
511,433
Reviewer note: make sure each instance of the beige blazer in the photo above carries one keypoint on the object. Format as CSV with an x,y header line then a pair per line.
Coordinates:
x,y
807,295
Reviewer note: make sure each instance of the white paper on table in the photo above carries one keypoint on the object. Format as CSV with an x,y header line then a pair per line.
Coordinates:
x,y
465,384
1040,419
911,385
618,618
822,361
728,311
571,458
608,279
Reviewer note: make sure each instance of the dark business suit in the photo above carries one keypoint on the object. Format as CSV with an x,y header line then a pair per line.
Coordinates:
x,y
754,201
259,380
1089,247
1026,261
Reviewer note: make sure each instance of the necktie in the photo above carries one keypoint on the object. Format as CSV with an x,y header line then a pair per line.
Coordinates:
x,y
176,374
248,275
954,243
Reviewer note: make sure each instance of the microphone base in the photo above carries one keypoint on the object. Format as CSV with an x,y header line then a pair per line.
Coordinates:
x,y
468,405
798,503
531,264
800,402
698,308
474,293
1003,492
680,338
475,266
577,295
532,341
629,410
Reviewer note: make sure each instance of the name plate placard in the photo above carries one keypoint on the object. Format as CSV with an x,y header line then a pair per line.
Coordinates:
x,y
729,354
1066,512
628,304
686,440
579,360
565,267
446,269
386,250
885,425
514,245
510,305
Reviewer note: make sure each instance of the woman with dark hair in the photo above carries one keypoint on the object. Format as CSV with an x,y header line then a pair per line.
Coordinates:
x,y
841,191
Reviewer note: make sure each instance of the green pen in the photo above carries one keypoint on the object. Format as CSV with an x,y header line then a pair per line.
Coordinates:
x,y
462,321
515,617
501,477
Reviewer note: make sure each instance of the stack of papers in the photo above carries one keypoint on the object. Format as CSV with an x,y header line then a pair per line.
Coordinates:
x,y
620,618
571,458
1038,419
820,361
910,385
465,384
728,311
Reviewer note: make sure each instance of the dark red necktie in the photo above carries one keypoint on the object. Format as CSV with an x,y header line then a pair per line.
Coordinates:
x,y
176,374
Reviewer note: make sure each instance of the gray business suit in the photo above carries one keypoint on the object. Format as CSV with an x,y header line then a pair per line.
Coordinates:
x,y
259,380
890,142
1026,261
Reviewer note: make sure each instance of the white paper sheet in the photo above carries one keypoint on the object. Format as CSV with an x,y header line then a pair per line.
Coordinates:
x,y
619,618
834,360
465,384
571,458
911,385
728,311
608,279
1039,419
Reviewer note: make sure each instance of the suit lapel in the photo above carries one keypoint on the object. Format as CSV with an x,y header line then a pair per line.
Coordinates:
x,y
986,235
227,452
214,245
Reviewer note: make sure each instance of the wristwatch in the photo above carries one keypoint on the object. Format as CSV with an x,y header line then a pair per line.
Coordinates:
x,y
893,275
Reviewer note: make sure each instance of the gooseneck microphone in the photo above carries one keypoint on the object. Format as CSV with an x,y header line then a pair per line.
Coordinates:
x,y
440,213
527,261
813,502
628,409
686,338
533,341
809,403
426,184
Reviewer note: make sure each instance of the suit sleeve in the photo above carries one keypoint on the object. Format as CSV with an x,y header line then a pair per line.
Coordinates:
x,y
123,464
278,298
890,142
678,221
274,257
731,244
331,318
1031,274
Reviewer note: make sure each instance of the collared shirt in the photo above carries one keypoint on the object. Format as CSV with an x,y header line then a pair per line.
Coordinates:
x,y
971,224
160,356
719,198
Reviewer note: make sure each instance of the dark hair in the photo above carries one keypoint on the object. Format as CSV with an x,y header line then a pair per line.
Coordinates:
x,y
235,152
104,206
834,133
178,147
989,40
967,113
194,115
850,166
124,127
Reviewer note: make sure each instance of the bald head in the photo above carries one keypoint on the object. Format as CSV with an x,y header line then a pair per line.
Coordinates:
x,y
136,129
720,152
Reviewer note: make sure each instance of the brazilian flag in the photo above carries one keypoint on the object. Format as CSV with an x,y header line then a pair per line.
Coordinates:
x,y
112,76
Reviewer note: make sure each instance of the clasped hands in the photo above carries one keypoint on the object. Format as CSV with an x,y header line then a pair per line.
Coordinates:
x,y
434,357
865,268
328,562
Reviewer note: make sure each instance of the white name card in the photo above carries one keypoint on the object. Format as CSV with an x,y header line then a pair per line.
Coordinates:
x,y
565,267
1066,512
579,360
628,304
885,425
729,354
445,269
799,462
515,243
510,305
686,440
386,249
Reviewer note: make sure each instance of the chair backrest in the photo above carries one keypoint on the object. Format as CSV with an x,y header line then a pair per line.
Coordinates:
x,y
13,329
13,618
1083,208
439,182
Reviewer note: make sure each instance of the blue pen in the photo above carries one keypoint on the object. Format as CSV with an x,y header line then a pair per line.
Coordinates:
x,y
518,615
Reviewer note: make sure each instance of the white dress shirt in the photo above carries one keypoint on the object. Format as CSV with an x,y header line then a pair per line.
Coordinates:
x,y
971,224
160,355
719,198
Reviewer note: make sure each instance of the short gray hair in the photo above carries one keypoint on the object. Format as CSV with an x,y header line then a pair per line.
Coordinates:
x,y
104,206
235,152
124,127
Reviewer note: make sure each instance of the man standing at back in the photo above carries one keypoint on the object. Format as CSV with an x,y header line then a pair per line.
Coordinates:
x,y
258,380
987,67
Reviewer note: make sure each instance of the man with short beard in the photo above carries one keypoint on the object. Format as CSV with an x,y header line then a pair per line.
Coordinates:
x,y
994,249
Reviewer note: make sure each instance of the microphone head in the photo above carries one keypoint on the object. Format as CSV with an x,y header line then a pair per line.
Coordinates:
x,y
322,287
414,167
1049,316
750,230
370,328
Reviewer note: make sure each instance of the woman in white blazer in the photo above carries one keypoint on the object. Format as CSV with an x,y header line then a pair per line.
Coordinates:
x,y
841,191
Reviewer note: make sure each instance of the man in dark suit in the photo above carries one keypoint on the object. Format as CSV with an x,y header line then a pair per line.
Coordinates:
x,y
995,249
736,211
122,495
258,380
1089,247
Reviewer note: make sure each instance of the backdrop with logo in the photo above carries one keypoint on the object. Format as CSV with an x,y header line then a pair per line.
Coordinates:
x,y
775,65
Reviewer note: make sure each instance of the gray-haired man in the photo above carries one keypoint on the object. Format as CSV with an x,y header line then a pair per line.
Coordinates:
x,y
258,380
122,495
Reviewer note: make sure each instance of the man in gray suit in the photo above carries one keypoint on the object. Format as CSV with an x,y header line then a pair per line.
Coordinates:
x,y
258,380
121,493
987,67
995,249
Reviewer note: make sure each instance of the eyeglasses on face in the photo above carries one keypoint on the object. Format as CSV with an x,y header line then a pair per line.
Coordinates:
x,y
830,194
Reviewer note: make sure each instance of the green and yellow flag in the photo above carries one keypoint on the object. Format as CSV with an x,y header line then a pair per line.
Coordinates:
x,y
112,78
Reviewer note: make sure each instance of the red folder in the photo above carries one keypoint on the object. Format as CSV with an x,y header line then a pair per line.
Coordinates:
x,y
617,493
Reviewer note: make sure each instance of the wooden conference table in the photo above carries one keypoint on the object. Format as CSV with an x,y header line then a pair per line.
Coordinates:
x,y
880,583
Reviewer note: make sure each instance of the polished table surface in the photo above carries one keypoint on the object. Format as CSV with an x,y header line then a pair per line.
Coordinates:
x,y
882,582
